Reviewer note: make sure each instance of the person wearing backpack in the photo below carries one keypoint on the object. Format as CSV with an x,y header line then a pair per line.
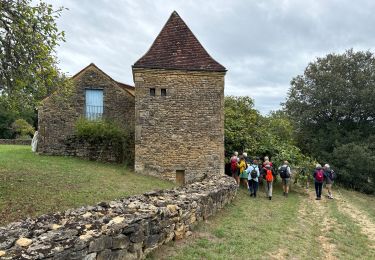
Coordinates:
x,y
285,175
269,176
318,179
233,167
329,176
253,175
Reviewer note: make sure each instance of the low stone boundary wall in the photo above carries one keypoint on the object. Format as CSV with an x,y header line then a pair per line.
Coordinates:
x,y
15,142
128,228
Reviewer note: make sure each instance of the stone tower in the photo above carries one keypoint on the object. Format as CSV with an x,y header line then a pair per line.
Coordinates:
x,y
179,106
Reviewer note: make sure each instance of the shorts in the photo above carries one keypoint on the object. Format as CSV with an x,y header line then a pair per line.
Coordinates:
x,y
235,173
285,181
329,186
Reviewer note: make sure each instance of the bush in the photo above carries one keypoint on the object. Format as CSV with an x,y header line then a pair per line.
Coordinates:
x,y
23,129
107,133
355,165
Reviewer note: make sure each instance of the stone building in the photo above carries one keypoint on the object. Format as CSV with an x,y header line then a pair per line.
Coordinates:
x,y
95,95
179,106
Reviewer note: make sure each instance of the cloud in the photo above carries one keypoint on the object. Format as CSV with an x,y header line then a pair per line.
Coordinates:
x,y
263,44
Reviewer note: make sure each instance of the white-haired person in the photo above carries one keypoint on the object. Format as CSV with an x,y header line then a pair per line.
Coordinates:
x,y
318,175
329,176
233,167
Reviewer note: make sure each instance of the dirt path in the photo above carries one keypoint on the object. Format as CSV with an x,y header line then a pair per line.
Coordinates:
x,y
358,216
310,213
320,209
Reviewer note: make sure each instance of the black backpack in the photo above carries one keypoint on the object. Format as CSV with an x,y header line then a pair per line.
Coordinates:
x,y
332,175
254,173
284,172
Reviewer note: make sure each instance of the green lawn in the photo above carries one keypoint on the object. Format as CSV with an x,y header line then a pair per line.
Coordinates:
x,y
298,227
31,184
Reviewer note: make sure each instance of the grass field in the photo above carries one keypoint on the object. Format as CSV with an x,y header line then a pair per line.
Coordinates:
x,y
31,184
297,227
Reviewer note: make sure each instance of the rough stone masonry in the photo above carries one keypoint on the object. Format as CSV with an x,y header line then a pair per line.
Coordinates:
x,y
128,228
179,106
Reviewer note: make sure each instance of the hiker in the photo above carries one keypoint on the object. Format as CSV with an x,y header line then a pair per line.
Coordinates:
x,y
269,175
253,175
318,179
329,176
241,165
285,175
266,161
233,167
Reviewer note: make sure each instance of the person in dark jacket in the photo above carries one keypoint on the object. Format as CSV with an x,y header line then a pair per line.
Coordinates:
x,y
329,176
318,175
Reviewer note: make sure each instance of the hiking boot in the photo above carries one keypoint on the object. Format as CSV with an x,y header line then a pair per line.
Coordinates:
x,y
270,198
286,195
317,198
251,194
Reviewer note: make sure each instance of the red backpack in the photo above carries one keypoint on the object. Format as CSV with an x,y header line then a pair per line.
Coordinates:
x,y
319,176
269,176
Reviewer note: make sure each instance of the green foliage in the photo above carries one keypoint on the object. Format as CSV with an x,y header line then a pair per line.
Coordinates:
x,y
23,129
98,130
106,132
246,130
332,105
241,121
28,38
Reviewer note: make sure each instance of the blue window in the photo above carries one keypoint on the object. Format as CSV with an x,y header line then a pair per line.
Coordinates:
x,y
94,104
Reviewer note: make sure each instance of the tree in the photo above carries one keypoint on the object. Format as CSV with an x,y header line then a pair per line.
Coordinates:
x,y
23,129
333,104
28,37
241,121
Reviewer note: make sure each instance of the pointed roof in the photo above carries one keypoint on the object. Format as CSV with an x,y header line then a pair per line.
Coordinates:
x,y
176,47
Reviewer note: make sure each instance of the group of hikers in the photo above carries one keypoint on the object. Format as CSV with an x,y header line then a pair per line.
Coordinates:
x,y
249,173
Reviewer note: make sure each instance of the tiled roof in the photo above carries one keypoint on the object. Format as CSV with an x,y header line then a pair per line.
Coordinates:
x,y
176,47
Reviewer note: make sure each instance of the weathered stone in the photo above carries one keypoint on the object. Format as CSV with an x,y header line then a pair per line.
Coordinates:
x,y
137,237
2,253
120,242
55,226
7,242
91,256
100,244
24,242
116,220
87,215
104,255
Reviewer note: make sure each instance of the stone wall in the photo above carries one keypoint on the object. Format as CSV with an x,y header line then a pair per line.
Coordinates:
x,y
57,116
128,228
185,128
15,141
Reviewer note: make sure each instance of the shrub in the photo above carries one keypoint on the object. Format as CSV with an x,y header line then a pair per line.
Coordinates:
x,y
105,133
23,129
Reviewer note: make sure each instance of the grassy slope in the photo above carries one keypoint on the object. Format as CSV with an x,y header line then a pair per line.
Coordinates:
x,y
295,228
31,184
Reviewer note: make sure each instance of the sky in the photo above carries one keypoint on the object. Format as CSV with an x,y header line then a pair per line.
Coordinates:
x,y
263,44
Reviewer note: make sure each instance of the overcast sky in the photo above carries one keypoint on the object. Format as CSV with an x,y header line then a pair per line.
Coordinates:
x,y
263,44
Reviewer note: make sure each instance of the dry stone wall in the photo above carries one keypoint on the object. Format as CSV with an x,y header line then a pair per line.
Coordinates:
x,y
15,141
128,228
183,129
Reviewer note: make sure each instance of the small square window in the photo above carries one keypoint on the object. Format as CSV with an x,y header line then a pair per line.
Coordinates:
x,y
163,92
152,92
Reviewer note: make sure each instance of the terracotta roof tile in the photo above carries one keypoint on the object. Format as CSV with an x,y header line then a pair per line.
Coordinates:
x,y
176,47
